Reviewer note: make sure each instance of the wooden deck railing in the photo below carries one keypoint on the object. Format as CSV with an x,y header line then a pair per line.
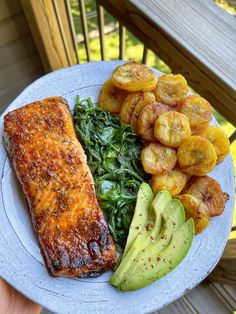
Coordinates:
x,y
196,39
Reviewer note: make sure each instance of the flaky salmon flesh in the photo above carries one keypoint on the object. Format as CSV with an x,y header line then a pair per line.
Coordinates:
x,y
51,166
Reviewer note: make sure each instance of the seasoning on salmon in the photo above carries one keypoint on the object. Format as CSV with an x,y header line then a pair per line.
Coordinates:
x,y
51,165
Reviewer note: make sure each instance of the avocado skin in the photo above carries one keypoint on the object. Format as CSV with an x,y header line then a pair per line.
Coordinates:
x,y
142,236
156,266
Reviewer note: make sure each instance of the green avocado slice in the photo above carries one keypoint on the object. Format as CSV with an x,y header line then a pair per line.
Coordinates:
x,y
154,267
173,217
154,225
144,236
144,199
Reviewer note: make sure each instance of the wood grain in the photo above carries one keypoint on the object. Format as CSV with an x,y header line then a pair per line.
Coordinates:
x,y
25,67
12,28
47,35
16,49
9,8
195,38
205,300
65,30
180,306
7,94
225,272
20,63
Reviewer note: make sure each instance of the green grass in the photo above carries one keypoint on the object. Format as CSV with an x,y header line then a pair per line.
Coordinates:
x,y
134,51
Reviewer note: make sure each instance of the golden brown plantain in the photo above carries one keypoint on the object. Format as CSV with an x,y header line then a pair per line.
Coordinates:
x,y
196,209
198,110
134,77
210,193
218,138
157,158
173,181
111,97
147,118
147,98
172,128
196,156
171,89
128,106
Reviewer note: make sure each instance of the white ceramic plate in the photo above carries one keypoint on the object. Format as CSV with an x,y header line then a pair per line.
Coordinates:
x,y
21,263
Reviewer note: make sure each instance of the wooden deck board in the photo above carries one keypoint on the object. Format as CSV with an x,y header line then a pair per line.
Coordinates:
x,y
180,306
12,28
8,8
14,50
19,71
206,300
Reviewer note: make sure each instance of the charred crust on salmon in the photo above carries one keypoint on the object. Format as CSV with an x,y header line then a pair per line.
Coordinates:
x,y
52,168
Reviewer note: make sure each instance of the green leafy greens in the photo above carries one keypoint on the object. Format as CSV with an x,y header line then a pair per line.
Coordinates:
x,y
113,153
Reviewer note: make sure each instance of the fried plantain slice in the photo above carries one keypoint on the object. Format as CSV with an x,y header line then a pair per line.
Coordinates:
x,y
196,209
210,193
171,89
147,118
111,97
218,138
196,156
197,109
172,128
147,98
157,158
134,77
128,106
173,181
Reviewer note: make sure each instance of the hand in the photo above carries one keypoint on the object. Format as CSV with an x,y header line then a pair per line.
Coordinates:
x,y
12,302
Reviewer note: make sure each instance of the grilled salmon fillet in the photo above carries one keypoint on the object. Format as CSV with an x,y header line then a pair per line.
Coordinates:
x,y
50,163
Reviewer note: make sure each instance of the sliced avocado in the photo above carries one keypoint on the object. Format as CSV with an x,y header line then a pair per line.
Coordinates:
x,y
145,236
154,226
140,219
156,266
173,217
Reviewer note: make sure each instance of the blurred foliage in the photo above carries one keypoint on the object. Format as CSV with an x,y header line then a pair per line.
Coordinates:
x,y
134,48
227,5
90,7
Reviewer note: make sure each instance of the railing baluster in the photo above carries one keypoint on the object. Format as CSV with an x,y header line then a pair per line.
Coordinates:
x,y
72,29
63,36
232,137
145,53
121,41
84,27
100,15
